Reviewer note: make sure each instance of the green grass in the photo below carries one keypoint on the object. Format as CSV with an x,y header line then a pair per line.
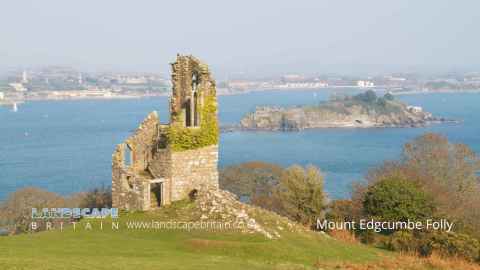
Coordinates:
x,y
172,249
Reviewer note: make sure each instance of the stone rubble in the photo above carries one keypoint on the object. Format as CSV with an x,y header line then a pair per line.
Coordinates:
x,y
224,206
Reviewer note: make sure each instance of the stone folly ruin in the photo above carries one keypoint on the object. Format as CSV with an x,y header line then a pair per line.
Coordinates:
x,y
162,163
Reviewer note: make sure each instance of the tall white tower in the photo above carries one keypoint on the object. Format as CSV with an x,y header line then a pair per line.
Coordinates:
x,y
80,79
24,77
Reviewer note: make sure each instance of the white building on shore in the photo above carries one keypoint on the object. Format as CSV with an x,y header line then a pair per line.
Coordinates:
x,y
24,77
18,87
365,84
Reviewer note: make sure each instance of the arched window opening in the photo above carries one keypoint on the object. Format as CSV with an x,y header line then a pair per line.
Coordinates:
x,y
195,82
127,156
191,108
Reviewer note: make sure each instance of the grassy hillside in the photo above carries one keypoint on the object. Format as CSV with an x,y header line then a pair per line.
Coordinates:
x,y
294,248
174,249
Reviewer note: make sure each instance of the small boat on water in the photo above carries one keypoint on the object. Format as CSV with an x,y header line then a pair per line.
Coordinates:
x,y
15,107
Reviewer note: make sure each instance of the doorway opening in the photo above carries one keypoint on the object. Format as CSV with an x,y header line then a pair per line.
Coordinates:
x,y
156,194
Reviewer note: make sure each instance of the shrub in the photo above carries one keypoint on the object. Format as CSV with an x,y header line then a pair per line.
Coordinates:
x,y
389,97
403,241
443,244
300,192
369,97
447,164
397,200
382,102
16,211
251,179
455,245
445,171
340,210
97,198
295,192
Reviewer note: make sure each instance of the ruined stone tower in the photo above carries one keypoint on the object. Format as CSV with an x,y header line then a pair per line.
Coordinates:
x,y
161,163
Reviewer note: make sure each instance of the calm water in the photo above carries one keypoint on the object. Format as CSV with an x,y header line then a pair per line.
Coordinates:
x,y
66,146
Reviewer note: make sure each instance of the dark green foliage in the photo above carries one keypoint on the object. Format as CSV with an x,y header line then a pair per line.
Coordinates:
x,y
369,97
397,200
382,102
368,101
389,97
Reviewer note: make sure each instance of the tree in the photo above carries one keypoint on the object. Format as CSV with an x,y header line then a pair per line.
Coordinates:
x,y
253,182
250,179
97,198
341,210
16,211
389,96
451,165
449,172
300,192
382,102
445,171
397,199
369,97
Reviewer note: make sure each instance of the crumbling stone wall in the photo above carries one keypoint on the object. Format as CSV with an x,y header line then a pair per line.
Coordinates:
x,y
130,180
194,170
179,157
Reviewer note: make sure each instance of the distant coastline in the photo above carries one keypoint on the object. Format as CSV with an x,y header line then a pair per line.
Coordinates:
x,y
113,97
443,91
65,96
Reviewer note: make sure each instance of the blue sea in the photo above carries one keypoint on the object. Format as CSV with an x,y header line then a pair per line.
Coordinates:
x,y
66,146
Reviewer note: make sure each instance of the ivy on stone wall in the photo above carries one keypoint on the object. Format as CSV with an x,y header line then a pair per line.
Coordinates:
x,y
181,138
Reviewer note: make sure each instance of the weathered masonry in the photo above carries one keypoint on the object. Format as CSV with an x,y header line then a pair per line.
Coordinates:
x,y
162,163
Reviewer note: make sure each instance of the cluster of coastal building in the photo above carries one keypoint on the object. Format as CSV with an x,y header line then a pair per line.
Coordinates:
x,y
392,82
59,83
54,83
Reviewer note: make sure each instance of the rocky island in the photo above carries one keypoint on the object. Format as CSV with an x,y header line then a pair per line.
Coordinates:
x,y
364,110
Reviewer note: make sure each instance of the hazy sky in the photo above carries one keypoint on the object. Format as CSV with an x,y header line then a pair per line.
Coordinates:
x,y
261,36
